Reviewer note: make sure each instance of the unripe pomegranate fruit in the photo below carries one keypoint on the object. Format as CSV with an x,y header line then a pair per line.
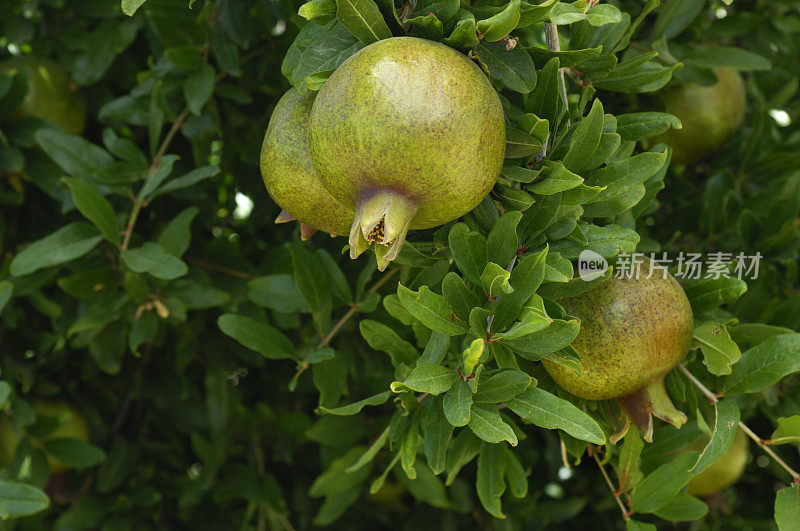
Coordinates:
x,y
725,471
633,332
289,175
50,95
710,115
410,134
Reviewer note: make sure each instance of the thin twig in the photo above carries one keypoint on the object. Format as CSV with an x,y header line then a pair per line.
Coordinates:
x,y
758,440
614,490
551,36
220,269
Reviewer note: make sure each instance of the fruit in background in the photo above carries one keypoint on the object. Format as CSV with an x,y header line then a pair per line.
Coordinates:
x,y
50,95
70,426
411,134
725,471
290,177
710,115
633,332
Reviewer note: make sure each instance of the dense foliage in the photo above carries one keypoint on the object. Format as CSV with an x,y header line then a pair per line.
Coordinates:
x,y
233,376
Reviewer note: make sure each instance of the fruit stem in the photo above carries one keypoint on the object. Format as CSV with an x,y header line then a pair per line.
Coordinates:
x,y
643,404
614,490
758,440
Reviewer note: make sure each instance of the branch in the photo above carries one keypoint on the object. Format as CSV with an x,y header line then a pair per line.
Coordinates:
x,y
758,440
615,491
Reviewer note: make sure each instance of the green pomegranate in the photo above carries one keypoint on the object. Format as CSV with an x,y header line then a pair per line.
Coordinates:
x,y
710,115
633,332
725,471
289,175
71,426
50,95
409,133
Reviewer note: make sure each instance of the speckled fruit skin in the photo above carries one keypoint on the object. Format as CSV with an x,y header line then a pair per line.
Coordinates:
x,y
413,116
633,332
290,177
74,428
50,95
710,116
725,471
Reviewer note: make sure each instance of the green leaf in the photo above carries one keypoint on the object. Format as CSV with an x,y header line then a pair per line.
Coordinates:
x,y
709,293
458,403
431,309
67,243
370,453
76,156
464,36
312,280
198,88
428,378
278,292
464,449
495,280
640,125
660,486
545,100
634,525
683,508
513,68
6,290
469,251
129,7
557,335
727,56
459,296
187,180
18,500
619,177
356,407
437,432
490,482
382,338
408,448
76,453
628,470
435,349
427,488
586,137
318,11
787,508
153,259
515,474
330,379
548,411
95,208
674,17
725,428
520,144
720,352
557,179
176,236
363,19
258,336
489,426
157,176
763,365
502,386
526,278
788,430
602,14
501,24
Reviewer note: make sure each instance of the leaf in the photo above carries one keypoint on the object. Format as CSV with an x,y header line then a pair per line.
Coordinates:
x,y
363,19
525,279
621,176
788,430
464,449
489,426
153,259
720,352
727,56
76,156
763,365
428,378
459,296
431,309
176,236
382,338
324,54
557,335
6,290
602,14
330,379
490,482
371,452
458,403
661,485
67,243
312,280
495,280
157,176
586,137
710,293
725,428
640,125
787,508
502,386
498,26
437,432
187,180
513,68
318,11
674,17
520,144
258,336
634,525
278,292
75,453
683,508
469,251
356,407
95,208
198,88
502,241
628,470
129,7
548,411
557,179
18,500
